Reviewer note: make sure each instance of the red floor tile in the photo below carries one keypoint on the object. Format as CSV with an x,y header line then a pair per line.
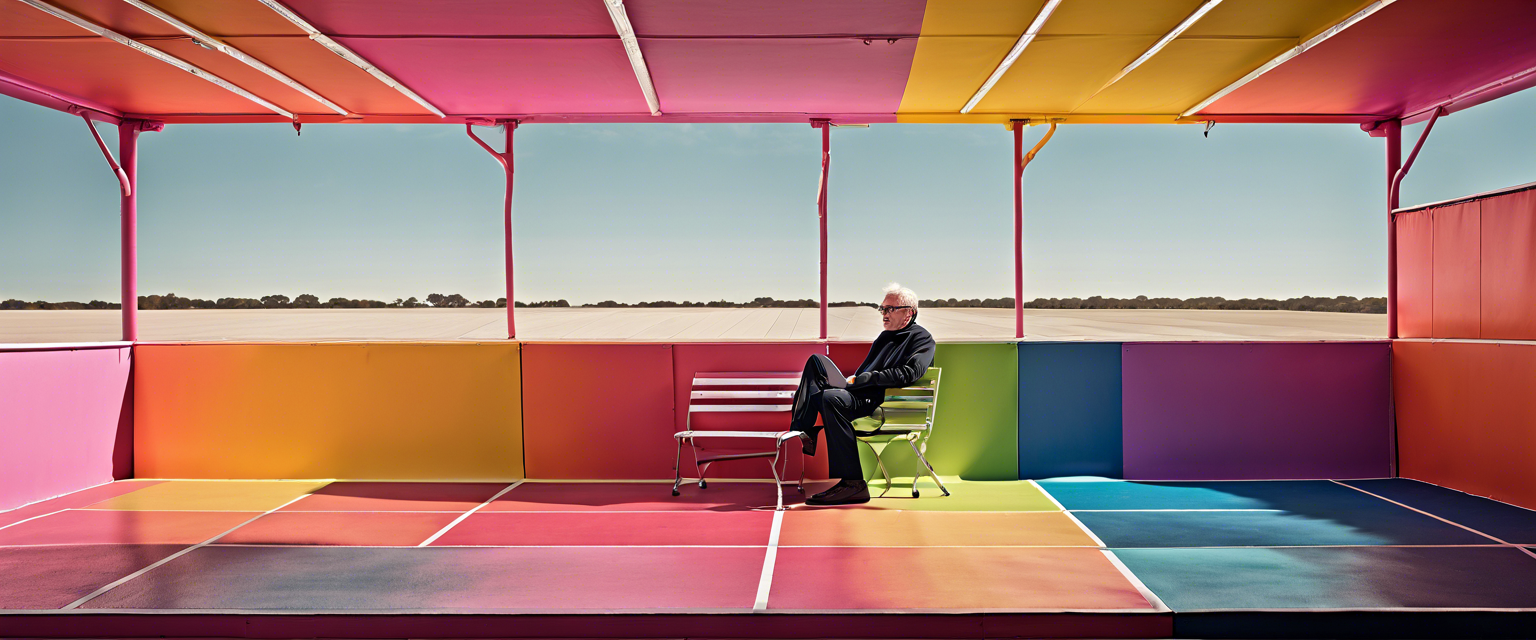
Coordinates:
x,y
52,577
952,579
398,496
341,529
600,528
448,579
720,496
890,528
76,500
122,527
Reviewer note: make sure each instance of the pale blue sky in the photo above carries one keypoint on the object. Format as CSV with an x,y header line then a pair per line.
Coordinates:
x,y
702,212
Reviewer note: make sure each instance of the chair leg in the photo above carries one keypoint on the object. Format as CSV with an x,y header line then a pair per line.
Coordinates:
x,y
931,473
879,462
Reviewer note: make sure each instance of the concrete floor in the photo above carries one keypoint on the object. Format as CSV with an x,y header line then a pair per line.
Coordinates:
x,y
681,325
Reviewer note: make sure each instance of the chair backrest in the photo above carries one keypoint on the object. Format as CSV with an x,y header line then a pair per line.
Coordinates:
x,y
915,404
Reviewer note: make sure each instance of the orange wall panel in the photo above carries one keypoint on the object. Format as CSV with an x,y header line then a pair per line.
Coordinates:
x,y
1458,279
388,411
1465,416
1509,266
1415,274
598,411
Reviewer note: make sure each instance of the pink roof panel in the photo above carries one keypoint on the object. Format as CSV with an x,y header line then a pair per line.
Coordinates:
x,y
815,76
776,18
457,17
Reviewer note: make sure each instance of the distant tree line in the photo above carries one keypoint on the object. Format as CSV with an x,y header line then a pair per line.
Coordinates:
x,y
1339,304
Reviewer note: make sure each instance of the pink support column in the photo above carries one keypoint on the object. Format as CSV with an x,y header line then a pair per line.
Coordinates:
x,y
128,148
506,161
1394,134
1018,228
821,211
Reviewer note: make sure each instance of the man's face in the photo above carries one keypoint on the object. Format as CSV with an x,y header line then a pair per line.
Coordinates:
x,y
893,320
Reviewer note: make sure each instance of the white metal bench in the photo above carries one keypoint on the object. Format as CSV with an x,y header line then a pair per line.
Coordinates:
x,y
739,392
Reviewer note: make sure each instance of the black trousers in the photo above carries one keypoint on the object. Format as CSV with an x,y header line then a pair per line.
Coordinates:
x,y
821,393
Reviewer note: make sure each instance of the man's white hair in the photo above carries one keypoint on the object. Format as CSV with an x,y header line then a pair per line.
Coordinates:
x,y
905,295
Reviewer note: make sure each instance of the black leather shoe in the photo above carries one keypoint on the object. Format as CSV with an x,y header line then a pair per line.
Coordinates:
x,y
807,444
830,490
842,494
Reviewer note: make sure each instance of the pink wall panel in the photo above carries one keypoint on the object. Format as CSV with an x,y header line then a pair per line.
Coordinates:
x,y
1509,266
598,411
1465,418
784,356
1457,306
1415,274
65,421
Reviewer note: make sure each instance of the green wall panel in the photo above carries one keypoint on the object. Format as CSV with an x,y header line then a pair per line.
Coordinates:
x,y
976,435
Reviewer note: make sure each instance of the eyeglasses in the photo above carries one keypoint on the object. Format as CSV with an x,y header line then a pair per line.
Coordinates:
x,y
884,309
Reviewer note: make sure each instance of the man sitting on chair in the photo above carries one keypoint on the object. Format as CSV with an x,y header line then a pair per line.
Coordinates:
x,y
900,355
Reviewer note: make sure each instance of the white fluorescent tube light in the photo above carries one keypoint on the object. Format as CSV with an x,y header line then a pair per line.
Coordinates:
x,y
1013,54
1296,51
153,53
632,49
1183,26
347,54
218,45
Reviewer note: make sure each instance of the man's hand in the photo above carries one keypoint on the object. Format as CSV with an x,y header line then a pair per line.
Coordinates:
x,y
850,379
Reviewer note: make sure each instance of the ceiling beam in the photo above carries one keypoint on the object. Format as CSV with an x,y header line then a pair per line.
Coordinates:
x,y
347,54
220,46
632,49
153,53
1013,54
1330,32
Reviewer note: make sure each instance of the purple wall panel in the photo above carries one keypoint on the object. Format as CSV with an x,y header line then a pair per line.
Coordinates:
x,y
1228,411
65,421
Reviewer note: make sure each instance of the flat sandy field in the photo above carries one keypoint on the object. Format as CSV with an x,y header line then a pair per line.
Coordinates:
x,y
681,325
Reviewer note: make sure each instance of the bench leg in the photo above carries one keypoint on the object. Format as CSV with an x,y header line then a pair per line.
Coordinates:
x,y
931,473
778,483
677,468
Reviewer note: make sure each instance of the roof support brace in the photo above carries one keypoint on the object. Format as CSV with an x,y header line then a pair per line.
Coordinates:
x,y
507,166
153,53
347,54
632,49
1013,54
122,176
1332,31
1020,161
220,46
821,210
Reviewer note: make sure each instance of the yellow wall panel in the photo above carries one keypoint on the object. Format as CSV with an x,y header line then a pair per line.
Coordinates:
x,y
395,411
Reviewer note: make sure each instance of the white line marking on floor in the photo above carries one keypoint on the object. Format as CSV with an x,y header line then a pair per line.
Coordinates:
x,y
1048,495
116,583
1454,524
31,519
770,557
1084,527
1157,603
467,514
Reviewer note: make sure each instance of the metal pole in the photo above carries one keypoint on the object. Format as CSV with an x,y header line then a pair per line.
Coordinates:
x,y
128,148
821,212
1394,131
1018,228
506,207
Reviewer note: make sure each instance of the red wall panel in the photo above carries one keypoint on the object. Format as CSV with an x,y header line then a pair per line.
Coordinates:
x,y
1415,274
598,411
1458,276
1509,266
1465,417
784,356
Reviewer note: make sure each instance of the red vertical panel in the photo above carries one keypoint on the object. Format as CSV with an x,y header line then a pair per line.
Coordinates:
x,y
1458,290
689,359
1415,274
1465,416
598,411
848,355
1509,266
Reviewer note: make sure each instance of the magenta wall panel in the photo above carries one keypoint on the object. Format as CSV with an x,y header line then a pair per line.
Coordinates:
x,y
688,358
1509,266
65,421
1415,274
1226,411
1458,279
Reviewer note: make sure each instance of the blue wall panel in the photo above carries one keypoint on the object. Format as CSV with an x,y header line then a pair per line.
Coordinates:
x,y
1069,409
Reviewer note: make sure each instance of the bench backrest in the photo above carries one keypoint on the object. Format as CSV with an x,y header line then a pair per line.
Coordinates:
x,y
742,391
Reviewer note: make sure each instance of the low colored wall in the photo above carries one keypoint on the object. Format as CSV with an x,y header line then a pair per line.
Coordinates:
x,y
1229,411
395,411
1069,409
65,421
1466,416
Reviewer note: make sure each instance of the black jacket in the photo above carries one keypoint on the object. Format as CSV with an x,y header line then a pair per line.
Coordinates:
x,y
896,359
